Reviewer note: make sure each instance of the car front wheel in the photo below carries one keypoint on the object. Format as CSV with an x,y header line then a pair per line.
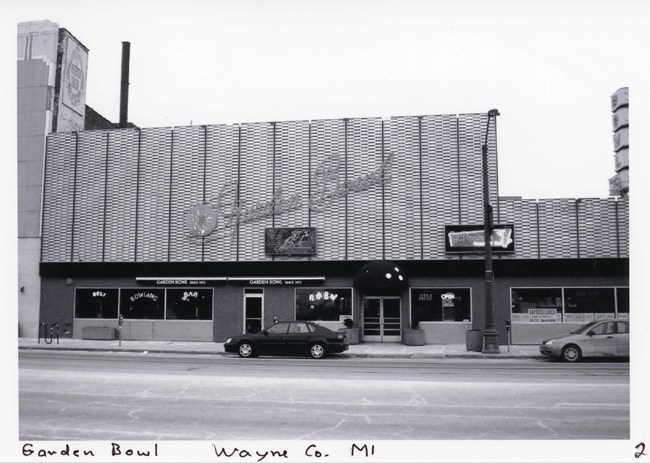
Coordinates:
x,y
571,353
317,351
246,350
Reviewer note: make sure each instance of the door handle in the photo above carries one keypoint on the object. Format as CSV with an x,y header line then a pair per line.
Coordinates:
x,y
610,337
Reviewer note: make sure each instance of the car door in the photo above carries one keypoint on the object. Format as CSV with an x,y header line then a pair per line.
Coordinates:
x,y
600,340
298,338
272,341
623,338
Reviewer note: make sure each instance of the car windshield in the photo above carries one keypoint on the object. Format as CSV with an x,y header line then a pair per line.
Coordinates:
x,y
583,328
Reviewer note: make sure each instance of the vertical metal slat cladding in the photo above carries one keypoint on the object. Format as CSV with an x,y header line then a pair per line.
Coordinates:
x,y
89,198
292,174
365,212
186,191
403,195
255,186
143,186
153,219
57,197
121,196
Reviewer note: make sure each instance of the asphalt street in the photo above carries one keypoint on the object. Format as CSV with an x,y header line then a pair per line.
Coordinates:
x,y
127,396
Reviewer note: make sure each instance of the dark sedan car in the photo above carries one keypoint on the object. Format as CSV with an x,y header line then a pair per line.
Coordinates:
x,y
289,338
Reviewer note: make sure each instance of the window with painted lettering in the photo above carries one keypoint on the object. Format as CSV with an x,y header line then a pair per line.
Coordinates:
x,y
570,305
96,303
536,305
189,304
142,303
325,304
440,305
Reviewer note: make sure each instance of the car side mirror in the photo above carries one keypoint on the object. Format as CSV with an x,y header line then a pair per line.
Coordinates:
x,y
590,333
265,333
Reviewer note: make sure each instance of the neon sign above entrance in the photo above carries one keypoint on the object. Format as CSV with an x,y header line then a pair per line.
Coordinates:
x,y
227,211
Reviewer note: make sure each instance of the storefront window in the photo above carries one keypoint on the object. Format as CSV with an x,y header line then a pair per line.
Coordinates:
x,y
584,305
571,305
536,305
326,304
189,304
96,303
142,303
623,303
440,304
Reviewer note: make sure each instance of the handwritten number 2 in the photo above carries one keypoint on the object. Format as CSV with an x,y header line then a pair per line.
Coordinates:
x,y
640,447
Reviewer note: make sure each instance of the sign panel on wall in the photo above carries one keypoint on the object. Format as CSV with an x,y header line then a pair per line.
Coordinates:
x,y
471,238
290,241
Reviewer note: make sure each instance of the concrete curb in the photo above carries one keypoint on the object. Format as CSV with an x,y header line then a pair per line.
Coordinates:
x,y
414,356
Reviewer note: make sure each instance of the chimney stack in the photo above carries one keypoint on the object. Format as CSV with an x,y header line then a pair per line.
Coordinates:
x,y
124,87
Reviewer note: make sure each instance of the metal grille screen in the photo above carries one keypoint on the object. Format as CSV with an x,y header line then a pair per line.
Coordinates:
x,y
124,195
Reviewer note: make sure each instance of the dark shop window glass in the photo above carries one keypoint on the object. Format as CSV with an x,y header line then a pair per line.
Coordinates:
x,y
623,302
189,304
96,303
536,305
440,305
327,304
584,305
142,303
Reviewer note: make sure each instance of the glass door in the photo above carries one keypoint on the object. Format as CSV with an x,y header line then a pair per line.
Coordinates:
x,y
253,310
382,319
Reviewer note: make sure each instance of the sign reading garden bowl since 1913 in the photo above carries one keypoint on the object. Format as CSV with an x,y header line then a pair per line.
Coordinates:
x,y
471,238
290,241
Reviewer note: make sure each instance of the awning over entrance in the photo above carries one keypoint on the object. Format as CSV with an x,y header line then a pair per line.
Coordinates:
x,y
380,278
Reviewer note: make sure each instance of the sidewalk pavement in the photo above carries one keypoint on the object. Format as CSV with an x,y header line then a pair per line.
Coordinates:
x,y
363,350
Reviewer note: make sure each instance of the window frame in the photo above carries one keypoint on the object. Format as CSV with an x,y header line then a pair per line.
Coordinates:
x,y
563,308
323,289
444,288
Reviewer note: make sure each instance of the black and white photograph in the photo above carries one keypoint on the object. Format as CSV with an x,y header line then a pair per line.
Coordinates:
x,y
325,231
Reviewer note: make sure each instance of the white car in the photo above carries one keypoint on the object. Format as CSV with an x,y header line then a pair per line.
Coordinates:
x,y
605,338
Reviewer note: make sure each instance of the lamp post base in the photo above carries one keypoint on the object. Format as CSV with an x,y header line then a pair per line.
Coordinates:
x,y
490,342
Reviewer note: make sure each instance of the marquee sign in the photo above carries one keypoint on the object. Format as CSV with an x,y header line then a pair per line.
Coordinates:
x,y
290,241
471,239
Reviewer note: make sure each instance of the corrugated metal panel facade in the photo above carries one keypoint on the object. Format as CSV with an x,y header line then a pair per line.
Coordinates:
x,y
88,227
558,228
364,210
58,197
221,170
187,168
440,182
152,242
402,211
291,145
124,195
523,215
328,161
121,195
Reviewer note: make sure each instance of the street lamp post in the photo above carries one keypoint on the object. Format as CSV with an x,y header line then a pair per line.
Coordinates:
x,y
490,335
